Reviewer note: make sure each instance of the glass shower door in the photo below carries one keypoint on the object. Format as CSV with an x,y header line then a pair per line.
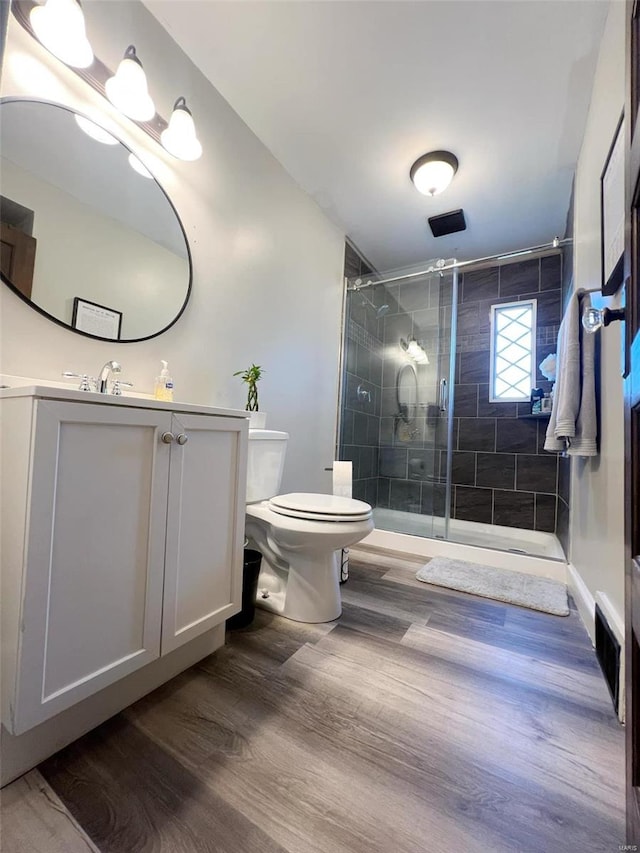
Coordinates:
x,y
396,419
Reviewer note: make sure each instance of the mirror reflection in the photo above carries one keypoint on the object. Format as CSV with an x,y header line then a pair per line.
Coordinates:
x,y
89,238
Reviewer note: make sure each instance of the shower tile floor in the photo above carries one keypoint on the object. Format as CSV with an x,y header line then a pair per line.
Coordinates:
x,y
421,721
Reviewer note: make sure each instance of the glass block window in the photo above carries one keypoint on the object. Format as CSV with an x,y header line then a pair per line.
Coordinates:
x,y
513,351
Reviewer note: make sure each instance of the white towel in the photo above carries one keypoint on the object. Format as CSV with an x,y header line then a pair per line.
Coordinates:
x,y
573,423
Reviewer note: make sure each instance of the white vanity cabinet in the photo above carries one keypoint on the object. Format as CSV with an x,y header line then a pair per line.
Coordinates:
x,y
205,526
122,539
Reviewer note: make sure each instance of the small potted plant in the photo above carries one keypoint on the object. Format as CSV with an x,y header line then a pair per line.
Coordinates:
x,y
251,376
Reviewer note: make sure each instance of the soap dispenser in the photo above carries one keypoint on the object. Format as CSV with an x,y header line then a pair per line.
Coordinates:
x,y
164,384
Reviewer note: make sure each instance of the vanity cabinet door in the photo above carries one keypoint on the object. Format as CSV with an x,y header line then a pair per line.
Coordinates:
x,y
205,526
93,565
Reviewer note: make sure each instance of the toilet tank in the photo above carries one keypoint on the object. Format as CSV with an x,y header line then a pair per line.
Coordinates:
x,y
265,463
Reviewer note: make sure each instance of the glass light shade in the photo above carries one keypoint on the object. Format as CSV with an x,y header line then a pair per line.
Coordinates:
x,y
127,89
417,352
59,26
413,349
180,138
433,178
138,167
433,172
95,131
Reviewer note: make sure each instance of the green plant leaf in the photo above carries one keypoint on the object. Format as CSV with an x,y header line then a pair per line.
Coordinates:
x,y
251,376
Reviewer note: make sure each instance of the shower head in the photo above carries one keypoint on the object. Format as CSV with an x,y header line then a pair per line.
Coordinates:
x,y
380,312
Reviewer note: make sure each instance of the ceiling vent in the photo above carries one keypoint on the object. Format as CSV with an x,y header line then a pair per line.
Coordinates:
x,y
447,223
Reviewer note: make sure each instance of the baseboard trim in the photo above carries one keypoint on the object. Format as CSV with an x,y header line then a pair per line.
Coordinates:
x,y
585,602
616,623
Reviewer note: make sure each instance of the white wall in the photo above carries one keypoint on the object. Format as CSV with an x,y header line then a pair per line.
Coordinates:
x,y
597,497
96,258
267,284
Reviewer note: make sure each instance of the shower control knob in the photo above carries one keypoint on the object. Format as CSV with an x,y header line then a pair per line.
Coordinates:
x,y
182,438
167,437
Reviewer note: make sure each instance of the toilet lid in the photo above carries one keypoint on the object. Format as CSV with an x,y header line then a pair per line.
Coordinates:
x,y
320,507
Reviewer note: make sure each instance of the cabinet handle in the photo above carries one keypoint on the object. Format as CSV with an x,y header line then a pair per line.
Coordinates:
x,y
182,438
167,437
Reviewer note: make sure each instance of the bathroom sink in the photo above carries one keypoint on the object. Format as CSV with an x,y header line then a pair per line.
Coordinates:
x,y
14,382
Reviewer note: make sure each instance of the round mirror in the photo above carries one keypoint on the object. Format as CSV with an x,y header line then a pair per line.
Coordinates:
x,y
89,237
407,388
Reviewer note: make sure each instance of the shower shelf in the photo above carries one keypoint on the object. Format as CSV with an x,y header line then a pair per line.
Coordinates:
x,y
535,417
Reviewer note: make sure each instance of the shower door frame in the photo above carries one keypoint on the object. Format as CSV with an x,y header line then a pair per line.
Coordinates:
x,y
453,332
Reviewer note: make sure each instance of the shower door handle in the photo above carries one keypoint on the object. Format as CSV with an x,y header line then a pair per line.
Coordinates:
x,y
444,395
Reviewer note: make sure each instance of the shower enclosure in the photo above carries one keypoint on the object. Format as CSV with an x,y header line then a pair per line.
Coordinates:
x,y
432,454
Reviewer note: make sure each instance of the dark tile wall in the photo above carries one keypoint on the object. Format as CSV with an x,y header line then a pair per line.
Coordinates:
x,y
501,473
362,386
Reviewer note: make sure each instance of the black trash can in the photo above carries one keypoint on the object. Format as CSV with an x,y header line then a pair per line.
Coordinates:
x,y
250,571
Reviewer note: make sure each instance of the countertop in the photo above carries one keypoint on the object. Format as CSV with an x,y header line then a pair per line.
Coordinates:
x,y
21,386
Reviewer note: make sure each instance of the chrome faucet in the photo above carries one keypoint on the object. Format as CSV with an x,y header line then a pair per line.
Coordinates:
x,y
109,368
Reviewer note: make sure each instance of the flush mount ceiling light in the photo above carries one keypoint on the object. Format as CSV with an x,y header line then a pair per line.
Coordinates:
x,y
432,173
180,137
95,131
59,26
127,89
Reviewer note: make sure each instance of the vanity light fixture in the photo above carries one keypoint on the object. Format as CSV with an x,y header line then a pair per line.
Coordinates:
x,y
414,350
127,89
59,26
138,167
433,172
180,137
94,131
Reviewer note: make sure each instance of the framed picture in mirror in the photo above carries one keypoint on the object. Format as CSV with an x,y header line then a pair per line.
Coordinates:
x,y
612,214
96,319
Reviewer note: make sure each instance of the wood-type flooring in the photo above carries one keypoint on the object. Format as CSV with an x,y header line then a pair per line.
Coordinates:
x,y
421,721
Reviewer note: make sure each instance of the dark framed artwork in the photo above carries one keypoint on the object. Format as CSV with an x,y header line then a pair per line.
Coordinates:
x,y
612,214
96,319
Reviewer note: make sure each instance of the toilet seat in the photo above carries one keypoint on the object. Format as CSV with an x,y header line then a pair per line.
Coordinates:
x,y
318,507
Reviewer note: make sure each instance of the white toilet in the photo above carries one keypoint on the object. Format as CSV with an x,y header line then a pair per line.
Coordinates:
x,y
299,535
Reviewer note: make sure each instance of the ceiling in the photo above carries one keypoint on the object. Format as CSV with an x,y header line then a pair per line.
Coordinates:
x,y
347,95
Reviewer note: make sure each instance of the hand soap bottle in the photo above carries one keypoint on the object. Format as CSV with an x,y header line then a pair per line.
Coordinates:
x,y
164,384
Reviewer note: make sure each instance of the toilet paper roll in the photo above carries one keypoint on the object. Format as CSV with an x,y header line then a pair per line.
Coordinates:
x,y
342,478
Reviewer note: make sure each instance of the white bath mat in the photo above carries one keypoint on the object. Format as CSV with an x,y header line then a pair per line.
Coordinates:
x,y
513,587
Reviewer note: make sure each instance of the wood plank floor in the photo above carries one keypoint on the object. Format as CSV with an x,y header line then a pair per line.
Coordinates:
x,y
35,821
423,720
